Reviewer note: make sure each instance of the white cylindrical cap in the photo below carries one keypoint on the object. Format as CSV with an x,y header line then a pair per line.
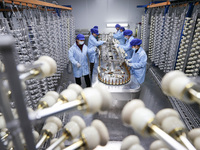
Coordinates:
x,y
55,120
2,122
73,128
75,87
136,147
194,133
196,142
69,94
93,99
45,68
91,136
129,108
162,114
103,131
166,81
36,135
106,96
52,127
50,100
140,118
129,141
51,62
178,85
79,121
158,145
54,94
171,123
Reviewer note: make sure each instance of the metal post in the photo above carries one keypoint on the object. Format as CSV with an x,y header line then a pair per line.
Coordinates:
x,y
6,49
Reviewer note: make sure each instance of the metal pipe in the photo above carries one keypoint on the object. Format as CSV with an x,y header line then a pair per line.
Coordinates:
x,y
58,142
7,49
160,134
39,114
75,145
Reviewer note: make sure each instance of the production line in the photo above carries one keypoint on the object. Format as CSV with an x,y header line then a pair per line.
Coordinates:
x,y
141,89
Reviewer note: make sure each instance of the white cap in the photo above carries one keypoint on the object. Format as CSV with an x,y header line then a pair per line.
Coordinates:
x,y
79,121
54,94
177,86
140,118
93,99
55,120
158,145
45,67
106,96
91,136
69,94
52,127
171,123
73,128
50,100
162,114
2,122
103,131
194,133
196,142
51,62
136,147
129,141
129,108
75,87
166,81
36,135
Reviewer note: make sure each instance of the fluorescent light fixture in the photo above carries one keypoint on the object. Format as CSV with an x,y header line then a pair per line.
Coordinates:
x,y
112,25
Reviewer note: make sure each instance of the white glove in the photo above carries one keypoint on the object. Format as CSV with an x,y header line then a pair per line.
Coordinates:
x,y
129,60
104,41
78,65
130,64
116,45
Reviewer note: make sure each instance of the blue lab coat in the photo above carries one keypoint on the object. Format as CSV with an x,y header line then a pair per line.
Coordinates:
x,y
78,56
120,37
138,66
127,48
92,44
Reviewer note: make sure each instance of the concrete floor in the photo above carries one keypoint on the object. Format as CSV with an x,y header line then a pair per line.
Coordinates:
x,y
153,98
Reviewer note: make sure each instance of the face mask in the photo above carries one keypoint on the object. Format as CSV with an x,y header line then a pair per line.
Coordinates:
x,y
126,38
134,49
81,42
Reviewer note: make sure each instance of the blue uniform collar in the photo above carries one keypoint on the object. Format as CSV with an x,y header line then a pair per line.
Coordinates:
x,y
139,51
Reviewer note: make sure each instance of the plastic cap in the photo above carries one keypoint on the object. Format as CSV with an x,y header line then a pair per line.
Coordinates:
x,y
103,131
140,118
93,99
129,141
106,96
129,108
91,136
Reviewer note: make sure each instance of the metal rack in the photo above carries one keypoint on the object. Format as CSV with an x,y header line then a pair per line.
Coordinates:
x,y
38,28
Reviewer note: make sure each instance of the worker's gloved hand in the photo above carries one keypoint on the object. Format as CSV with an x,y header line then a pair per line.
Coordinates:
x,y
129,60
78,65
130,64
104,41
116,45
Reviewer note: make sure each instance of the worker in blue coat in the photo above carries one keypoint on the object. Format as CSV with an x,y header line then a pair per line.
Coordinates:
x,y
138,61
96,27
92,46
128,36
117,27
78,57
120,36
